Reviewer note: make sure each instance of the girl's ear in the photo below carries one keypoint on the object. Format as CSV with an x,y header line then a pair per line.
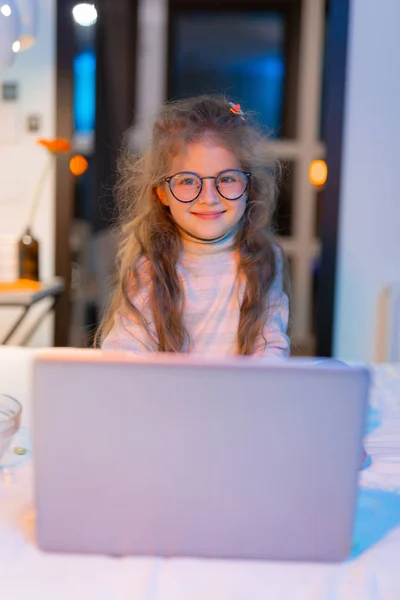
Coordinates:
x,y
162,195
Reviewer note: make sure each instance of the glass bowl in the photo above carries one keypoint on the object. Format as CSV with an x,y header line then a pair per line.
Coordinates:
x,y
10,420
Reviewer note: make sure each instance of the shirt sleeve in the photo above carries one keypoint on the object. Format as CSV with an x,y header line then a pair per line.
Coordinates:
x,y
127,332
275,342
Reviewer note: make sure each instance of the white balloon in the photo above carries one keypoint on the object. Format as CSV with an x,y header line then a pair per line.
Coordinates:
x,y
9,32
28,10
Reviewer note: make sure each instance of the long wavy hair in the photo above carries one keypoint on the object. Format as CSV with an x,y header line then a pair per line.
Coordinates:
x,y
147,230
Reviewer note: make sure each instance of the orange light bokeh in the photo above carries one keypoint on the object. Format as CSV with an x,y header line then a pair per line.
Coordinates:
x,y
318,172
78,165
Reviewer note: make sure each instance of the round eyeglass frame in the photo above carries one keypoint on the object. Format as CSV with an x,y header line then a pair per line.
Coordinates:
x,y
169,179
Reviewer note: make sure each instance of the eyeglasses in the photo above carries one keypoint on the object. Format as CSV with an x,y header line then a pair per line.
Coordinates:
x,y
230,184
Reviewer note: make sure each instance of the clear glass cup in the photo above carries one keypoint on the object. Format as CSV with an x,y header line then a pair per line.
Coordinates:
x,y
10,421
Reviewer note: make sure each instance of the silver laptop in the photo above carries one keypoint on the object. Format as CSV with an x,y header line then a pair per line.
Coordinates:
x,y
180,456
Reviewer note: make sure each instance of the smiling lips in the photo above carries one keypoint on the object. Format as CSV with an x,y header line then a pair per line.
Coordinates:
x,y
209,216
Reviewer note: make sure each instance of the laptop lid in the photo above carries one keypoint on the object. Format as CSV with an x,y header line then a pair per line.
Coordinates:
x,y
181,456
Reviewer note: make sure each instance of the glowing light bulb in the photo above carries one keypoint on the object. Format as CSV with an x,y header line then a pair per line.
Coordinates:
x,y
5,9
318,172
78,165
85,14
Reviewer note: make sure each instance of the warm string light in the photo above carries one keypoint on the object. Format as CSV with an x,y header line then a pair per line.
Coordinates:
x,y
318,173
78,165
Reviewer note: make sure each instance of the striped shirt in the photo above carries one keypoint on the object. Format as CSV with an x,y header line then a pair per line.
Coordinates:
x,y
213,294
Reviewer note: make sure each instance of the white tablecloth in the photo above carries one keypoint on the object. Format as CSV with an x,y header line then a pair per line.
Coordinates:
x,y
27,573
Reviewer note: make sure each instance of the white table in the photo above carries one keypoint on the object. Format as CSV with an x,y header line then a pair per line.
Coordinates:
x,y
26,572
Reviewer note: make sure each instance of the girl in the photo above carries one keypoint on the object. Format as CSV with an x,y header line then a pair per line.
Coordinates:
x,y
198,268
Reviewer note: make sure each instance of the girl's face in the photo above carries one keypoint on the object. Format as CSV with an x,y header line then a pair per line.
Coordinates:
x,y
210,216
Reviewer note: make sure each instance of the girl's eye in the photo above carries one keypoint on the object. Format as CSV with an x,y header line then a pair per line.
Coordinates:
x,y
228,179
187,181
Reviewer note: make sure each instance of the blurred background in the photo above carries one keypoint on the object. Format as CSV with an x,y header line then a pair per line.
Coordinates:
x,y
323,78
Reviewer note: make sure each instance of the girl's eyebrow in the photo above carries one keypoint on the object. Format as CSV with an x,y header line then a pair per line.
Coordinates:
x,y
203,176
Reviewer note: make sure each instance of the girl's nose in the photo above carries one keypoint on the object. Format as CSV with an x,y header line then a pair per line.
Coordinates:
x,y
209,193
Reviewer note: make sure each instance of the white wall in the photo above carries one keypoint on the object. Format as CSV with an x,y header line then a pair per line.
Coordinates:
x,y
21,162
369,230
